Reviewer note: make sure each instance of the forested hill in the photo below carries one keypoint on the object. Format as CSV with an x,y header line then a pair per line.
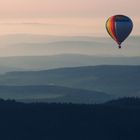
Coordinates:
x,y
114,120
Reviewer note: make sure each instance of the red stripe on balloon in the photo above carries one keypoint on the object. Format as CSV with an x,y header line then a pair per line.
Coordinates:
x,y
110,28
112,23
114,28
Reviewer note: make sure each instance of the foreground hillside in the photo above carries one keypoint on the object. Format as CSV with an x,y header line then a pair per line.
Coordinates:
x,y
115,120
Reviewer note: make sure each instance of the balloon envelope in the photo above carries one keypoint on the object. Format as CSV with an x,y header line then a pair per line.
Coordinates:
x,y
119,27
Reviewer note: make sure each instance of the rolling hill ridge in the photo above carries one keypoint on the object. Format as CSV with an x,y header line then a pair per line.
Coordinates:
x,y
117,81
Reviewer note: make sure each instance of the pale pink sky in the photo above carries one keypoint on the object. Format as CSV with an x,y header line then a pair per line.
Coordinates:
x,y
66,17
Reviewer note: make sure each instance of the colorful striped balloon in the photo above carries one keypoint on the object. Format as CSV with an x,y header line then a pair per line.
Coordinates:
x,y
119,28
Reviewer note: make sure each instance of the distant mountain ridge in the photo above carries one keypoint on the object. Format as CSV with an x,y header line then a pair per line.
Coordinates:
x,y
32,45
27,63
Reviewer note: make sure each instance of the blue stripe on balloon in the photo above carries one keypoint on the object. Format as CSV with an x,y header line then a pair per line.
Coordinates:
x,y
123,29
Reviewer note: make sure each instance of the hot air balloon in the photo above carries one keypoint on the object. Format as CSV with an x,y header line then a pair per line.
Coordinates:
x,y
119,28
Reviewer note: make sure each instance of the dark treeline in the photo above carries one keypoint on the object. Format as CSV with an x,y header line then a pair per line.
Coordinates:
x,y
115,120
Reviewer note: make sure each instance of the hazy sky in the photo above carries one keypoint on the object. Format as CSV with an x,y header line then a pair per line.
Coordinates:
x,y
64,17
